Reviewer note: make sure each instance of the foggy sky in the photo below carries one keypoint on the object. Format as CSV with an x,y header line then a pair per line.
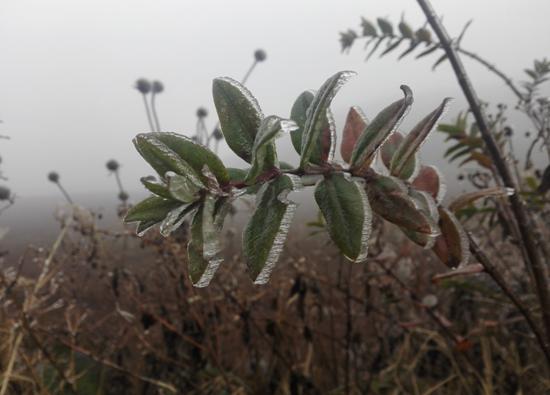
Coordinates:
x,y
67,69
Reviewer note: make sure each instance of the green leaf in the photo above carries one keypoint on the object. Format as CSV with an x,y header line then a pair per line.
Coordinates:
x,y
389,198
415,139
266,232
385,26
378,130
391,47
161,158
155,187
204,248
239,114
356,122
368,28
174,219
182,188
324,149
406,30
270,128
348,215
315,124
388,150
150,212
196,155
237,175
452,246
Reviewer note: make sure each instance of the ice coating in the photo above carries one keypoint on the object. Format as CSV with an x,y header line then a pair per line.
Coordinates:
x,y
280,237
173,220
183,188
442,185
244,91
317,109
463,238
367,224
332,127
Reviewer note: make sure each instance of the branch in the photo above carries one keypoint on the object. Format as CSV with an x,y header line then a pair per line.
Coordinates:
x,y
533,260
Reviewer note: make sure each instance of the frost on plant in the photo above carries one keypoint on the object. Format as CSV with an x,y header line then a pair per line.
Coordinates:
x,y
195,185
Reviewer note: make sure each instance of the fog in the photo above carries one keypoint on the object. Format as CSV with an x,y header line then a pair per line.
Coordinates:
x,y
68,67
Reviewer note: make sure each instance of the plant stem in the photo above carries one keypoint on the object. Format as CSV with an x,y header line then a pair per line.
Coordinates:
x,y
64,192
119,183
154,110
247,75
533,261
494,272
148,112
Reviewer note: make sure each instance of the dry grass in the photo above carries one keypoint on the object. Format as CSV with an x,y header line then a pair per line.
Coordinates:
x,y
103,312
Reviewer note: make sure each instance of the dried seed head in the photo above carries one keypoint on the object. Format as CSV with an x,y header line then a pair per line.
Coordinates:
x,y
202,112
112,165
217,133
158,87
53,176
123,196
260,55
5,193
143,86
508,132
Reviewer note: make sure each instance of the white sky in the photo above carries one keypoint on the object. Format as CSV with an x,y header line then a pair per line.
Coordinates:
x,y
67,68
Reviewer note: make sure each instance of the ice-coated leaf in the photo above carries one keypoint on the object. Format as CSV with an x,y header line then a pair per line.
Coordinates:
x,y
452,245
315,124
378,130
356,122
163,159
388,150
204,248
430,180
347,213
150,212
270,128
175,218
156,187
324,149
388,197
471,197
183,188
414,140
195,154
266,232
239,114
425,203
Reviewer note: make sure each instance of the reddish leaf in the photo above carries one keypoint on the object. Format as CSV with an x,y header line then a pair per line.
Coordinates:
x,y
430,180
356,122
451,246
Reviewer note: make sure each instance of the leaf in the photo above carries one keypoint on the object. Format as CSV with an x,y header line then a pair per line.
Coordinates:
x,y
324,148
385,26
150,212
161,158
439,61
348,215
405,30
452,245
182,188
266,232
239,114
373,50
468,198
203,250
174,219
428,51
391,47
424,202
316,115
155,187
411,48
378,130
414,140
389,198
196,155
356,122
368,28
430,180
270,128
389,149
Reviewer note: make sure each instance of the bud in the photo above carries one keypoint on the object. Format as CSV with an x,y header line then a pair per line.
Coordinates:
x,y
217,133
5,193
53,176
260,55
157,87
143,86
112,165
123,196
202,112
